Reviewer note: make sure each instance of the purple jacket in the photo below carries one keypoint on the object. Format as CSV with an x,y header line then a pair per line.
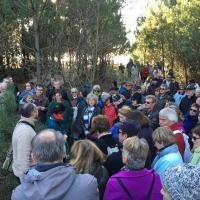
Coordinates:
x,y
137,182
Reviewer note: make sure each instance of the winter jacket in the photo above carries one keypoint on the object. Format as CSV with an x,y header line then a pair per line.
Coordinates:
x,y
195,159
190,122
186,103
166,158
21,144
125,92
154,117
137,182
178,97
57,183
110,113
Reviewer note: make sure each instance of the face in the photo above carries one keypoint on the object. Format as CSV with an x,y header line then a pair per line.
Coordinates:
x,y
158,145
96,92
149,104
196,140
193,111
29,99
91,102
57,85
39,91
189,93
58,97
163,121
74,94
122,137
162,90
34,114
165,194
198,101
28,86
122,118
128,86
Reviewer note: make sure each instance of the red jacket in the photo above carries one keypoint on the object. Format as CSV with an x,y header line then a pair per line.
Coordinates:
x,y
179,139
110,113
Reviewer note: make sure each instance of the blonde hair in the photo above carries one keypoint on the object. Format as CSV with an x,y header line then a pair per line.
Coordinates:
x,y
84,154
136,150
164,135
125,110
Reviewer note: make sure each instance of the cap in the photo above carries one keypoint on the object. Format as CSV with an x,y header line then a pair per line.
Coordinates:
x,y
130,127
105,96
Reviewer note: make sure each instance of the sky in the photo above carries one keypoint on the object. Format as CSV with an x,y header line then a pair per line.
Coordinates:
x,y
132,10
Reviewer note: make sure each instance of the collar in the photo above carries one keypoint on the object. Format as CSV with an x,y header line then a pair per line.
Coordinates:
x,y
46,167
29,120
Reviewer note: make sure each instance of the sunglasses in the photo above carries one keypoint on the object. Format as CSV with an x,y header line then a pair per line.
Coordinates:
x,y
193,110
96,90
162,88
148,102
195,138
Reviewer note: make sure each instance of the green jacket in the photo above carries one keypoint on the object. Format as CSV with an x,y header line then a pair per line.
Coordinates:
x,y
68,114
195,159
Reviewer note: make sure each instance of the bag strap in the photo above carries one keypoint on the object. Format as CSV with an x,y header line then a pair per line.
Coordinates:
x,y
24,122
124,188
151,187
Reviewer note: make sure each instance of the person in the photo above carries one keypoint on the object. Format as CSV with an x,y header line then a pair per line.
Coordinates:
x,y
178,96
49,177
22,138
28,89
96,90
181,183
191,118
108,108
168,118
90,111
195,158
151,111
129,66
168,155
105,142
146,131
125,89
92,165
121,68
127,129
188,100
68,114
134,181
41,101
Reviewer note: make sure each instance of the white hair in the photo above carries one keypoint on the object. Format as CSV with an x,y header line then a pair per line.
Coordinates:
x,y
170,114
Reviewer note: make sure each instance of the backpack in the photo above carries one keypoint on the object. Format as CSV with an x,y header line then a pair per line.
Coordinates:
x,y
187,152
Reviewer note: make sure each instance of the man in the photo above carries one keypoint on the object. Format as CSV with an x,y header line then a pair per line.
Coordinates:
x,y
168,117
127,129
125,89
41,101
151,111
188,100
179,94
21,139
50,178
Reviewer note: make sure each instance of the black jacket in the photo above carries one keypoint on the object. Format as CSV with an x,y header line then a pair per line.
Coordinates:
x,y
186,103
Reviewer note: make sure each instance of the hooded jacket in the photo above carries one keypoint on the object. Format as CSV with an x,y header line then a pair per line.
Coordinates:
x,y
58,183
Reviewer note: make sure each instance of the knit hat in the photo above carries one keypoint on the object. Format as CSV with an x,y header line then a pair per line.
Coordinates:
x,y
130,127
105,96
183,182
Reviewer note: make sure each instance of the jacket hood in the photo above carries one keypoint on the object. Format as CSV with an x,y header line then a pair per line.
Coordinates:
x,y
51,184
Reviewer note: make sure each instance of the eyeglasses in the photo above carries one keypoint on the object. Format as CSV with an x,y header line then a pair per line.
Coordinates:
x,y
96,91
148,102
193,110
162,88
195,138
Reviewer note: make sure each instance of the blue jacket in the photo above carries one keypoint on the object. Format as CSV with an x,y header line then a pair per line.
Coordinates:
x,y
124,92
166,158
177,98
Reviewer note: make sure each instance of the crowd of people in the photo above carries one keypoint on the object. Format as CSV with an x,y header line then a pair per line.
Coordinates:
x,y
140,140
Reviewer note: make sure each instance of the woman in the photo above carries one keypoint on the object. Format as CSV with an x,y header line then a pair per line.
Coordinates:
x,y
87,158
168,155
67,115
146,131
105,142
134,181
90,111
195,159
191,118
122,115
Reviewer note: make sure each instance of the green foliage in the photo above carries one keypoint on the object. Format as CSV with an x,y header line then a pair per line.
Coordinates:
x,y
170,33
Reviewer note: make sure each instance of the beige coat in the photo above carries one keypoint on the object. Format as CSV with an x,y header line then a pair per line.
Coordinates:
x,y
21,143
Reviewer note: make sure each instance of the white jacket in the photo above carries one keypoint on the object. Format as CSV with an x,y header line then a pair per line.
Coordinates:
x,y
21,143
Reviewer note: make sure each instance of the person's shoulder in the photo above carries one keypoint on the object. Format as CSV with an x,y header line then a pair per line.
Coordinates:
x,y
85,180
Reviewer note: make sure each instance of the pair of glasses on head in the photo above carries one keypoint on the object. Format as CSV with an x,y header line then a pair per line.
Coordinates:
x,y
195,138
193,110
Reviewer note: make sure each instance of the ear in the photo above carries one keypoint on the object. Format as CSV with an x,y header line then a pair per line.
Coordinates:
x,y
125,159
34,160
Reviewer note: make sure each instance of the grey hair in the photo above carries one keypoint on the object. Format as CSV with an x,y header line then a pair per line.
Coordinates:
x,y
151,97
136,150
48,146
27,109
170,114
92,96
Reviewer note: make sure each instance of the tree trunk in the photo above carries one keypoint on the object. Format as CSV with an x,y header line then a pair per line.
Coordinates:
x,y
36,41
